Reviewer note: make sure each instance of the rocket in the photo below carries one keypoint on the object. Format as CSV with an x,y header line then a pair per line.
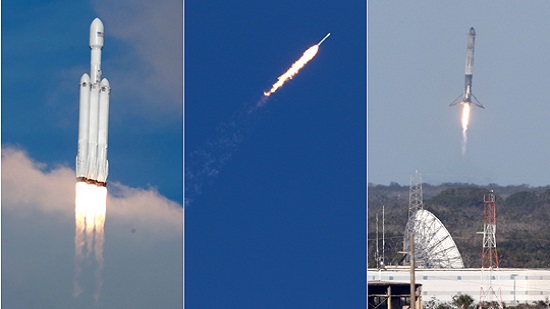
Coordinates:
x,y
321,42
467,96
93,120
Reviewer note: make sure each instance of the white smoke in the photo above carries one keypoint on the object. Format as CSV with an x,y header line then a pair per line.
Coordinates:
x,y
143,230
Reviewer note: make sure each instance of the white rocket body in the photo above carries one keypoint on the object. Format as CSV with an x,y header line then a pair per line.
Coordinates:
x,y
103,129
83,127
96,44
91,161
468,97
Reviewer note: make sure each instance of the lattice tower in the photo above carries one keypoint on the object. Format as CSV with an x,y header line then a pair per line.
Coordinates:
x,y
434,246
415,204
489,298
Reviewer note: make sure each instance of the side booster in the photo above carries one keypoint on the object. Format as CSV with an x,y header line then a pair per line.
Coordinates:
x,y
93,120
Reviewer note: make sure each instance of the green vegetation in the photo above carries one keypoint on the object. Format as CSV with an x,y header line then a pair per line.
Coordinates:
x,y
463,301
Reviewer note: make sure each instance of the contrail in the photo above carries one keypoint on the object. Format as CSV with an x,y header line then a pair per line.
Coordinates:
x,y
205,163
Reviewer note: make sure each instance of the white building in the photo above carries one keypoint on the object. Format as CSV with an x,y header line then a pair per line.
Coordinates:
x,y
514,284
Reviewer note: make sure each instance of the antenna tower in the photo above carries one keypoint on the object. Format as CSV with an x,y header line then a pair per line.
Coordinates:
x,y
415,204
415,195
489,255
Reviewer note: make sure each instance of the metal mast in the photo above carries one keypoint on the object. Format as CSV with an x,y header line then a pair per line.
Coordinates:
x,y
415,195
415,204
380,260
489,255
377,258
383,264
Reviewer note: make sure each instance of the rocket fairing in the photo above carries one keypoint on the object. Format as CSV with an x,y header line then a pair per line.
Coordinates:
x,y
93,120
467,96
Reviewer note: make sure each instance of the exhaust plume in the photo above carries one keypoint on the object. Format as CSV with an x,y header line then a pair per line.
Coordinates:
x,y
90,209
294,69
465,122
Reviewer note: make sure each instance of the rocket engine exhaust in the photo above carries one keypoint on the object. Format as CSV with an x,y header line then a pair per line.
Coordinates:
x,y
465,122
90,210
296,66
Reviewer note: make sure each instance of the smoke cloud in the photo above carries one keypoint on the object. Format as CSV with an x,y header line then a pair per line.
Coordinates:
x,y
204,164
143,242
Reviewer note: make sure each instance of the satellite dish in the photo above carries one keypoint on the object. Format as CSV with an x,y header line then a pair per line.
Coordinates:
x,y
433,245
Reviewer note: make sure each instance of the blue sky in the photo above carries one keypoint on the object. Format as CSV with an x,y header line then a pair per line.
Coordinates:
x,y
280,218
44,53
416,56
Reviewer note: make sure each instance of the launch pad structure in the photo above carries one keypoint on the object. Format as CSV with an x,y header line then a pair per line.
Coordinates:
x,y
440,269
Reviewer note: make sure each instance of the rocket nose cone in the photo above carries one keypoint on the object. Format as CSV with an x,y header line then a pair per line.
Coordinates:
x,y
85,78
96,33
472,31
104,86
97,24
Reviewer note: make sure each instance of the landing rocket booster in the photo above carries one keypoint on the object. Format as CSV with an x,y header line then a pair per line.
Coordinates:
x,y
93,120
467,96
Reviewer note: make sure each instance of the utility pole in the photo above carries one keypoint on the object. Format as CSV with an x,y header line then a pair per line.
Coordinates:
x,y
514,277
383,240
413,285
377,258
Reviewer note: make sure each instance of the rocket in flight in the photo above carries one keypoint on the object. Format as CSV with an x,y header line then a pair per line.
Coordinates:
x,y
91,161
467,96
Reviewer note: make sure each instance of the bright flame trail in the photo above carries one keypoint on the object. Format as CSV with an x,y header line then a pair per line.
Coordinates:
x,y
465,122
90,209
296,66
294,69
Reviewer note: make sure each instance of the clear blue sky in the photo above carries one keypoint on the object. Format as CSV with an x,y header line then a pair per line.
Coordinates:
x,y
281,223
416,57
